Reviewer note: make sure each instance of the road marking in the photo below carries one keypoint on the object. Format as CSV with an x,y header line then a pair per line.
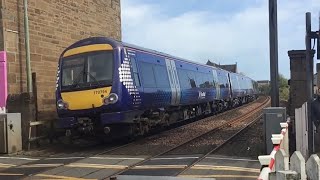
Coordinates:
x,y
39,165
59,177
10,174
226,168
20,158
219,176
61,158
98,166
231,159
117,158
175,158
160,167
6,165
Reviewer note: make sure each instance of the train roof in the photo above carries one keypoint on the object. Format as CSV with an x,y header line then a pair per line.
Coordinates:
x,y
116,43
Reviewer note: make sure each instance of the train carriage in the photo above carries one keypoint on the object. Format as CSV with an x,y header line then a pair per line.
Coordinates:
x,y
110,87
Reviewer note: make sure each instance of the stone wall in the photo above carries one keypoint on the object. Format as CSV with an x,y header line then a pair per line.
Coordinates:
x,y
54,25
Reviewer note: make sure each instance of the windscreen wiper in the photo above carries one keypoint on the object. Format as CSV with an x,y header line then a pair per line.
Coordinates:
x,y
91,76
77,81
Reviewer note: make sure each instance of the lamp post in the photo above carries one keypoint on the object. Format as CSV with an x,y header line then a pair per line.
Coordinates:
x,y
273,39
27,47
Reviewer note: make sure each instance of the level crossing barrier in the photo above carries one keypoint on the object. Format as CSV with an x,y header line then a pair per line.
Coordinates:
x,y
280,141
280,166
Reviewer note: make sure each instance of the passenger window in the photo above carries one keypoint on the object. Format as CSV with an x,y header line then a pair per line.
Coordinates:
x,y
161,75
135,72
191,76
221,79
183,78
147,73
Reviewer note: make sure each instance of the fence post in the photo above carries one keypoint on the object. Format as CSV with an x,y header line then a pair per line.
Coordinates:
x,y
298,164
313,167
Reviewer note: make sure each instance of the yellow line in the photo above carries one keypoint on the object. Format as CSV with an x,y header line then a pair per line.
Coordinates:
x,y
219,176
9,174
39,165
160,167
6,165
88,48
226,168
60,177
98,166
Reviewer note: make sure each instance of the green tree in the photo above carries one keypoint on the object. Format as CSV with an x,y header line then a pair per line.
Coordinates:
x,y
283,88
265,89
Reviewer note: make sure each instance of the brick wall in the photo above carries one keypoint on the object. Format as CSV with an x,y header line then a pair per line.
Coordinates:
x,y
54,25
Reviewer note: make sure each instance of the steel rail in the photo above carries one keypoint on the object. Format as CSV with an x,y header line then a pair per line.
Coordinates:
x,y
219,146
143,139
256,110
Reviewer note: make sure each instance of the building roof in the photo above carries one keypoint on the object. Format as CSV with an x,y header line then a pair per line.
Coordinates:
x,y
227,67
263,81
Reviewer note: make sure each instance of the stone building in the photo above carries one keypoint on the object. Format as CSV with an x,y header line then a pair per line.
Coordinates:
x,y
54,25
228,67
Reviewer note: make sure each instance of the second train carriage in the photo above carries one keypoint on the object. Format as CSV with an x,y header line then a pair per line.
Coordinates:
x,y
105,86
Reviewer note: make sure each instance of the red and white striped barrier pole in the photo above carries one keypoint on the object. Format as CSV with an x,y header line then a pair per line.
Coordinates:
x,y
280,141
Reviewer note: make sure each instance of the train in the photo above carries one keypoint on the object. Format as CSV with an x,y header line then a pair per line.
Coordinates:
x,y
112,88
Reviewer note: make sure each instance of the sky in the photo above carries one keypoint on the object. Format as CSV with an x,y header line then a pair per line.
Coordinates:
x,y
224,31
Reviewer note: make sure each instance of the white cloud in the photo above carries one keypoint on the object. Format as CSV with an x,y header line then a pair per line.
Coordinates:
x,y
241,37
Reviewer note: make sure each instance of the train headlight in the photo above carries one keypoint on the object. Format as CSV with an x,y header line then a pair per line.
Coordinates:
x,y
111,99
62,105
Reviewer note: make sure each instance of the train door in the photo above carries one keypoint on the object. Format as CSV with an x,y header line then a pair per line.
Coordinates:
x,y
174,82
134,87
216,83
229,76
229,85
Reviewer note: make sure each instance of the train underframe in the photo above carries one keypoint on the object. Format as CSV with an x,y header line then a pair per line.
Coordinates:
x,y
155,118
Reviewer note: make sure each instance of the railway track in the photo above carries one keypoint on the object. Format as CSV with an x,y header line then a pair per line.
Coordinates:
x,y
234,121
90,148
215,149
128,147
152,136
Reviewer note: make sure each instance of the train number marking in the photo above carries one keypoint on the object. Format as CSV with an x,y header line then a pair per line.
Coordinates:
x,y
100,92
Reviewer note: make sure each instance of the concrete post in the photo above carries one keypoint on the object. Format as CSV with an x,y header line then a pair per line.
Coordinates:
x,y
3,82
281,161
287,175
273,176
298,164
313,167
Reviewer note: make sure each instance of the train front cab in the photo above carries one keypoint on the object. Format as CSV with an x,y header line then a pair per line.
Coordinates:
x,y
87,88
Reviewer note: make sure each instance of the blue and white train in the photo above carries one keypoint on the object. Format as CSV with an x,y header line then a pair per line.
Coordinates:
x,y
109,87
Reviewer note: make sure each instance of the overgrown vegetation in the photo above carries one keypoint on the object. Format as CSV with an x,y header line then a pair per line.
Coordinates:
x,y
283,88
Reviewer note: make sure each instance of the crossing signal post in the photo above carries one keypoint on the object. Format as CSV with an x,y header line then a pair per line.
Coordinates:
x,y
318,42
311,36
